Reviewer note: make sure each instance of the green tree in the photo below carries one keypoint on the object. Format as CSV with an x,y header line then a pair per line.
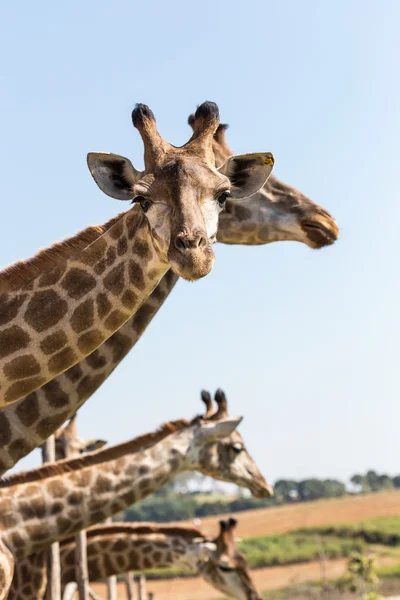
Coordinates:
x,y
311,489
287,489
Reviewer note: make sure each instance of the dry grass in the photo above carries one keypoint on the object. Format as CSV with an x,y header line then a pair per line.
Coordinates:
x,y
281,519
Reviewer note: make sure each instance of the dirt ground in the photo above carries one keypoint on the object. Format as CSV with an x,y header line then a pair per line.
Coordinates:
x,y
265,579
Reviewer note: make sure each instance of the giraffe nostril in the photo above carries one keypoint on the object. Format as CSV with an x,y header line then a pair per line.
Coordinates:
x,y
185,242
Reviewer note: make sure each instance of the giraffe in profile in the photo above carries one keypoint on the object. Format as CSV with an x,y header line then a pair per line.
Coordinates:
x,y
59,499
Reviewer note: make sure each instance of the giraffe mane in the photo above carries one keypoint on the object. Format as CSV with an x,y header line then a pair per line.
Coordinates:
x,y
67,465
16,275
138,528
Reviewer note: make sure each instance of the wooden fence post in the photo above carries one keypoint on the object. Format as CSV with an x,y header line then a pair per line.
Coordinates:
x,y
142,588
53,560
130,586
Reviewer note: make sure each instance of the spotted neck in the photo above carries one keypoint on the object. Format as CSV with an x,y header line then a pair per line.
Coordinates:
x,y
112,550
61,316
53,502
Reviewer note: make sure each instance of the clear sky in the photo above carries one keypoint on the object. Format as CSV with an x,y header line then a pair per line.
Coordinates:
x,y
305,343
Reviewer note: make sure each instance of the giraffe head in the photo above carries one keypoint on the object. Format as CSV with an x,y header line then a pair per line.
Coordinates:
x,y
217,449
69,444
227,569
181,192
277,212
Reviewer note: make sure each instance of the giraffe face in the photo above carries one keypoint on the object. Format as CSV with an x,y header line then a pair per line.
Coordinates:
x,y
227,568
277,212
182,204
181,193
218,450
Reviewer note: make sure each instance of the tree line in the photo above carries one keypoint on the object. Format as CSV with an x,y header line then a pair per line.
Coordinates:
x,y
176,502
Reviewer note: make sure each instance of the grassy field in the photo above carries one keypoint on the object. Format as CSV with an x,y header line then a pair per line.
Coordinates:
x,y
291,517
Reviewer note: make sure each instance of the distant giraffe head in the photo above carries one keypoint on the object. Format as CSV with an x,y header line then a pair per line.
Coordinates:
x,y
227,568
181,191
276,212
218,450
69,443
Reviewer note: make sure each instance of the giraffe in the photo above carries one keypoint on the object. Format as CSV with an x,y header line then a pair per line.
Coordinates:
x,y
58,307
277,212
229,571
69,443
118,548
57,500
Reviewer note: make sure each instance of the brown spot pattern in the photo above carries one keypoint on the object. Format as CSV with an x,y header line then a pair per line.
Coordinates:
x,y
111,256
45,309
12,339
83,316
61,360
9,308
115,280
48,425
122,246
115,320
52,276
129,299
100,267
103,305
28,410
78,283
57,488
89,385
19,448
116,230
74,373
89,341
96,360
55,396
53,342
22,367
136,275
141,248
22,388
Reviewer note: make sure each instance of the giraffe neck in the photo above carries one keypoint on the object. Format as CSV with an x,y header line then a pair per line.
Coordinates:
x,y
54,321
117,549
26,424
87,490
111,550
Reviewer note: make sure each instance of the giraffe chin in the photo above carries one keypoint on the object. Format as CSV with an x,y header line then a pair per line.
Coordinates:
x,y
193,264
262,491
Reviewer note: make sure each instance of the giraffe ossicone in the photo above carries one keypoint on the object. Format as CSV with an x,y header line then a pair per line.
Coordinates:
x,y
58,307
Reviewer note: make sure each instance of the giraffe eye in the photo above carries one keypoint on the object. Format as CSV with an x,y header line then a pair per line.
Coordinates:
x,y
226,568
237,447
144,203
221,199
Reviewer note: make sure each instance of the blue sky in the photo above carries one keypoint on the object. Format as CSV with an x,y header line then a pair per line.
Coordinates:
x,y
305,343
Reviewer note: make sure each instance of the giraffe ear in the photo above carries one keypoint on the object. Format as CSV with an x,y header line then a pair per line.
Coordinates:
x,y
92,445
115,175
247,172
218,430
